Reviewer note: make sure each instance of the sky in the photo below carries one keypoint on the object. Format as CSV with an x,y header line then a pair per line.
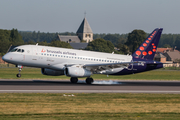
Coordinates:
x,y
104,16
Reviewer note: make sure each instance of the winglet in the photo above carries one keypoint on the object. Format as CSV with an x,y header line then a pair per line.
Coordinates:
x,y
148,48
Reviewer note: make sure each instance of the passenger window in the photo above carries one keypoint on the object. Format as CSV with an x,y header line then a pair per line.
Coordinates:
x,y
22,50
47,54
44,53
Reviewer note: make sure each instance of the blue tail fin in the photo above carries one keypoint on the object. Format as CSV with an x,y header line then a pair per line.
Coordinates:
x,y
148,48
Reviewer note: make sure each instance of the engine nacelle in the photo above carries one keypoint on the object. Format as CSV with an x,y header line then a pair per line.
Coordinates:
x,y
77,72
51,72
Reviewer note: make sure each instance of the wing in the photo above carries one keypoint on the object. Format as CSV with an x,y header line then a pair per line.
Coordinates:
x,y
95,68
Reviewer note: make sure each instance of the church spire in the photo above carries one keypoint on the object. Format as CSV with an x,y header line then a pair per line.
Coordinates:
x,y
84,31
84,27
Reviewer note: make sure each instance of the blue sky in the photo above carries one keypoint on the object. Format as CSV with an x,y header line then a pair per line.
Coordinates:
x,y
104,16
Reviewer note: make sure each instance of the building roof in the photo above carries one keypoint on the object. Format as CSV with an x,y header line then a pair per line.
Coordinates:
x,y
84,27
174,55
163,50
79,45
69,39
160,56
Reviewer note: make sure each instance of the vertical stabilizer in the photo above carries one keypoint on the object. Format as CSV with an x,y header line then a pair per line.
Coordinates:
x,y
148,48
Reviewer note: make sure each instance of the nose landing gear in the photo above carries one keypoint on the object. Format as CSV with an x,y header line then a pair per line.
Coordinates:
x,y
20,69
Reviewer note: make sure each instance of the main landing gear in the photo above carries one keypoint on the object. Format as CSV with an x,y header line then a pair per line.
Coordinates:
x,y
74,80
20,69
88,80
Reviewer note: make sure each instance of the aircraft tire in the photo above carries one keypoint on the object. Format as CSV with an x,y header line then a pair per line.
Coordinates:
x,y
18,75
89,80
74,80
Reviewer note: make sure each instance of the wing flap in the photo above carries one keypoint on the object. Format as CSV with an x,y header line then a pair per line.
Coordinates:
x,y
107,66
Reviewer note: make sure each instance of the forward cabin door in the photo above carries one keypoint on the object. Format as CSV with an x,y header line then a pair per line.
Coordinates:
x,y
34,53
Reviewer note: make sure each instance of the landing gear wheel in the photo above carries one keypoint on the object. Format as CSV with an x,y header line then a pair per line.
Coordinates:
x,y
20,69
74,80
18,75
89,80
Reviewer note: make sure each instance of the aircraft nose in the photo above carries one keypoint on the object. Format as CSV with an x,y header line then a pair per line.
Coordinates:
x,y
5,58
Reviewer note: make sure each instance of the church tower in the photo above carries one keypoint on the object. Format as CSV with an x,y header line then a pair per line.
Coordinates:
x,y
84,32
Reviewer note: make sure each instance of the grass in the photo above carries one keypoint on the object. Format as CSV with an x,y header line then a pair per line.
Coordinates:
x,y
89,106
45,106
35,73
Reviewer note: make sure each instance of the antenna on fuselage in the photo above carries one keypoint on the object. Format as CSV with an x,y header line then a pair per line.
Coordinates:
x,y
36,44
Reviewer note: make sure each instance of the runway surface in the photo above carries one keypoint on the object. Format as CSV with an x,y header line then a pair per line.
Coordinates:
x,y
60,86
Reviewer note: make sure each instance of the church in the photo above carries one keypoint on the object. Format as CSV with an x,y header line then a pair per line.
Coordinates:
x,y
84,34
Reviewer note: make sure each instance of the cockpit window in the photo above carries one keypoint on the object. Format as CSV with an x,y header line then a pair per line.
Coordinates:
x,y
14,50
19,50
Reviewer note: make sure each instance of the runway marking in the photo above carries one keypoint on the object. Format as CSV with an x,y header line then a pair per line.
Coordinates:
x,y
85,91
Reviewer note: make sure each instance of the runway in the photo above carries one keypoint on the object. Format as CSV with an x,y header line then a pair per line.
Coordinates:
x,y
64,86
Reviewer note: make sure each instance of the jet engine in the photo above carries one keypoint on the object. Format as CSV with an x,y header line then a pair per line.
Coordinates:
x,y
51,72
77,72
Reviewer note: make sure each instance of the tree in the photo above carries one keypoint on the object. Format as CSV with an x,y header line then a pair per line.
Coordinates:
x,y
57,43
122,48
166,46
100,45
177,42
15,37
111,38
135,39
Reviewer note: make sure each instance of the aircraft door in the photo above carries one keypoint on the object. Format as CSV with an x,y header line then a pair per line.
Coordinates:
x,y
21,56
35,53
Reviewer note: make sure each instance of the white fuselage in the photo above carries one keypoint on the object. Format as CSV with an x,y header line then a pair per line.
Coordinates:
x,y
57,58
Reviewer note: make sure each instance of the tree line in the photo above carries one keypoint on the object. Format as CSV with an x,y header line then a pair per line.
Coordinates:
x,y
9,37
125,43
167,40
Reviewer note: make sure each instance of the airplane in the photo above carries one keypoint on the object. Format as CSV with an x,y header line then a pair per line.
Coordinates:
x,y
76,64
